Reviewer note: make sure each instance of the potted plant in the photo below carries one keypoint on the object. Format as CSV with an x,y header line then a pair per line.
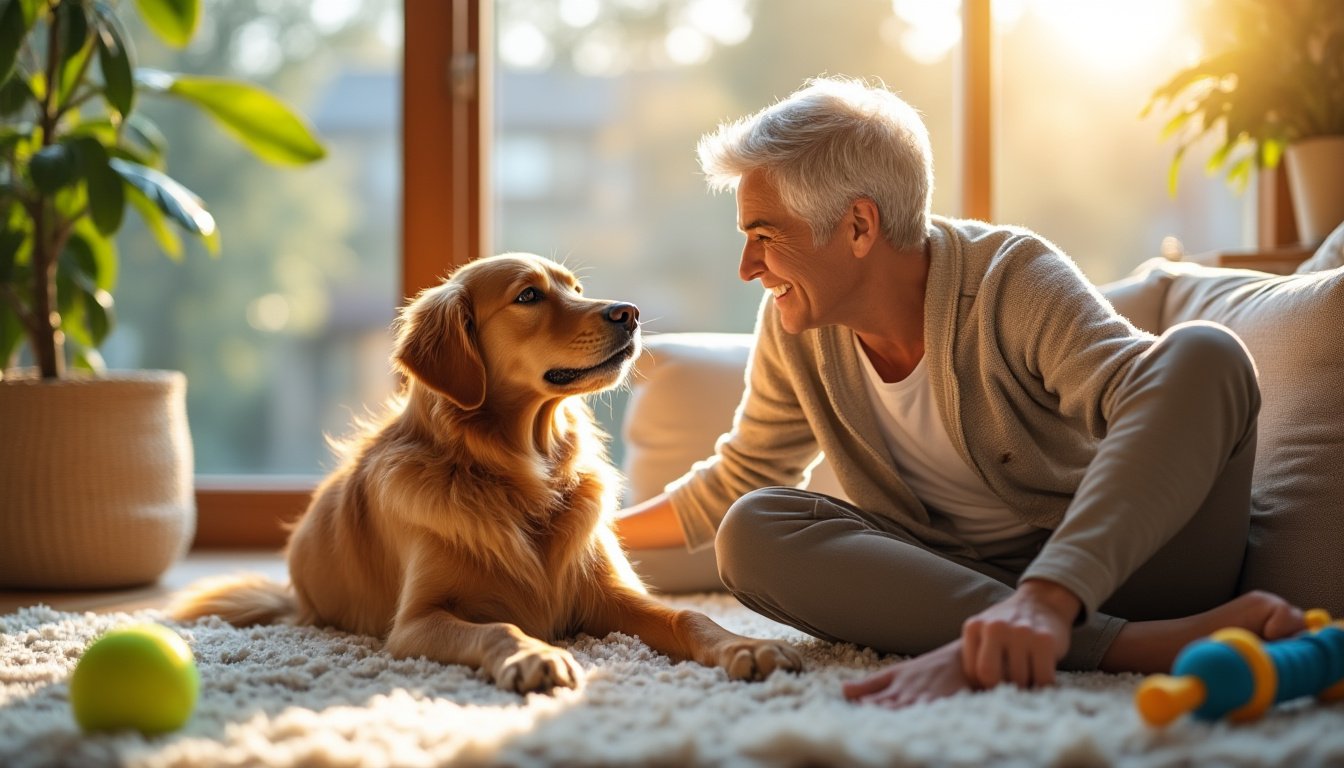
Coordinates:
x,y
95,467
1272,87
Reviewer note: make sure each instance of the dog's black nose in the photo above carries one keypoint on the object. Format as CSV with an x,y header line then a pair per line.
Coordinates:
x,y
625,314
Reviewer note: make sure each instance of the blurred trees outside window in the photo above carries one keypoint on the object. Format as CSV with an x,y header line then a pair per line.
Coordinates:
x,y
283,336
598,105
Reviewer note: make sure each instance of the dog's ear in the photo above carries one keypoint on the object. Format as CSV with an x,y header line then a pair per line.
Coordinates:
x,y
436,343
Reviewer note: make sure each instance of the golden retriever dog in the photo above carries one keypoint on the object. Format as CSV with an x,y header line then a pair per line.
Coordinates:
x,y
473,523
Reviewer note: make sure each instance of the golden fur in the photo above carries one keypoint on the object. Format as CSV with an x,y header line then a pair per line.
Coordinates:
x,y
472,523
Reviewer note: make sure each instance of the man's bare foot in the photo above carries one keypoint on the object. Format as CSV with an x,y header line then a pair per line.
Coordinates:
x,y
1152,646
933,675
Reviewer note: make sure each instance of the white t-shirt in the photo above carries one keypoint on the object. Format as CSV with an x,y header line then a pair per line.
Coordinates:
x,y
929,462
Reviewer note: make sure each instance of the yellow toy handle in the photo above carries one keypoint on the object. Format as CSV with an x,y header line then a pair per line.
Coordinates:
x,y
1163,698
1237,675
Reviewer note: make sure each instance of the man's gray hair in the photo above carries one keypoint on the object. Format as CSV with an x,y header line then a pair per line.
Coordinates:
x,y
829,143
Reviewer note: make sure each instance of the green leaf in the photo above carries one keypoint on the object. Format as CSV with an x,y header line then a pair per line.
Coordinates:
x,y
12,235
155,222
14,93
85,359
212,243
174,21
13,27
74,26
107,198
259,120
1271,152
85,305
11,335
146,136
15,245
53,167
102,250
69,306
78,261
101,129
97,306
76,45
1239,175
178,202
114,59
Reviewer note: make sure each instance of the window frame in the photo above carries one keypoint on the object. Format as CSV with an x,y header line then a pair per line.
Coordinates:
x,y
445,103
446,111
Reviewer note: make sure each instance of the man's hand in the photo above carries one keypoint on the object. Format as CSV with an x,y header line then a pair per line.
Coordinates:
x,y
1020,639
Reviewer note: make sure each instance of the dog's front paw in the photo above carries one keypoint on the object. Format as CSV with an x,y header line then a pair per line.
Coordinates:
x,y
747,659
538,668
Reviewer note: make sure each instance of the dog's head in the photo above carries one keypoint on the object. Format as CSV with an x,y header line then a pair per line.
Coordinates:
x,y
515,325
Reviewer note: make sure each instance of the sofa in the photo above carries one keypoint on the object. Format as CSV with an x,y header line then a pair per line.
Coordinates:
x,y
687,386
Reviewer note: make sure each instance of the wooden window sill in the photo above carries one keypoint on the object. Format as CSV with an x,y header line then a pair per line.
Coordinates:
x,y
248,512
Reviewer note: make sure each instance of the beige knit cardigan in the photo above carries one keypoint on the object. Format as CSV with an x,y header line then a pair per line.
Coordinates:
x,y
1026,358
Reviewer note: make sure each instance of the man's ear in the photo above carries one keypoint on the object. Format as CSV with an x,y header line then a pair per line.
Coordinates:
x,y
436,344
865,226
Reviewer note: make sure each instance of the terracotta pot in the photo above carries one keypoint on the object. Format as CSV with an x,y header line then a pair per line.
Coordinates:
x,y
95,480
1316,181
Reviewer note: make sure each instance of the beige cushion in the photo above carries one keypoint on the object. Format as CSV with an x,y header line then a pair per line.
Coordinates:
x,y
1329,255
684,391
1140,296
1292,326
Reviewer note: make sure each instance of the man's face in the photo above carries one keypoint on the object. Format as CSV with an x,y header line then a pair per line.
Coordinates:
x,y
806,280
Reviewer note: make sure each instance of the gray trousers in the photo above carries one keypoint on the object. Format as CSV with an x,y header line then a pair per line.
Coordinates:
x,y
839,573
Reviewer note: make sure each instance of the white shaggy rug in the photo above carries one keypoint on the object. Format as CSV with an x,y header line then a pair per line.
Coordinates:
x,y
280,696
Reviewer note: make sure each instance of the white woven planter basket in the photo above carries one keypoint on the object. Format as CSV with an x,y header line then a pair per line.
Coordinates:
x,y
95,480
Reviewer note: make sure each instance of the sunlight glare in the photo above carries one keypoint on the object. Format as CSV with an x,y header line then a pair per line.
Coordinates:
x,y
523,46
578,13
598,54
269,313
927,30
686,45
331,15
727,21
1109,35
256,49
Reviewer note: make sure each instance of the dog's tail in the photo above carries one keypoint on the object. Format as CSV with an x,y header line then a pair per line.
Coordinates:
x,y
243,600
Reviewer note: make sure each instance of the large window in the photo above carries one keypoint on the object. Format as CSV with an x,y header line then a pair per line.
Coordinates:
x,y
567,127
284,336
598,107
1074,161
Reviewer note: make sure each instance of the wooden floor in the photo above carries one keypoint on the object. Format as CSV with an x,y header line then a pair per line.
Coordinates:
x,y
197,564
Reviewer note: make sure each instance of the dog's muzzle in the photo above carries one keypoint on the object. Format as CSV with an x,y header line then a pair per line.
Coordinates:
x,y
561,376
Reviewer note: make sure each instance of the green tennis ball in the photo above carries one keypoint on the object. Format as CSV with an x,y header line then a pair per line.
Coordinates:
x,y
140,677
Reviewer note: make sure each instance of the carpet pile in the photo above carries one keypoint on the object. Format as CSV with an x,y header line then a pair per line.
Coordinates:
x,y
286,696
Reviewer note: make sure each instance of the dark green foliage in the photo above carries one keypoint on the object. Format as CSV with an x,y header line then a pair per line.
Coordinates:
x,y
74,153
1275,75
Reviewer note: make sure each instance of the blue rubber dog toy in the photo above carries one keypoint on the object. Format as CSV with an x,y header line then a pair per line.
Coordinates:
x,y
1236,675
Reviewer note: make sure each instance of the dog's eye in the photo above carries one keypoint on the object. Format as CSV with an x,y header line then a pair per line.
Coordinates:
x,y
528,296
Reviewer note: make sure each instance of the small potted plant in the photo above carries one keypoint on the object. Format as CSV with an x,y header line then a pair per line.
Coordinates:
x,y
1271,87
96,467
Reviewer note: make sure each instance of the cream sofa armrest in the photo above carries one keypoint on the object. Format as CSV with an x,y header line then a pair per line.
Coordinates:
x,y
684,392
1140,296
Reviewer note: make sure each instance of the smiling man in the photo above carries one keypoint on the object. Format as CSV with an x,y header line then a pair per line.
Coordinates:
x,y
1027,472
